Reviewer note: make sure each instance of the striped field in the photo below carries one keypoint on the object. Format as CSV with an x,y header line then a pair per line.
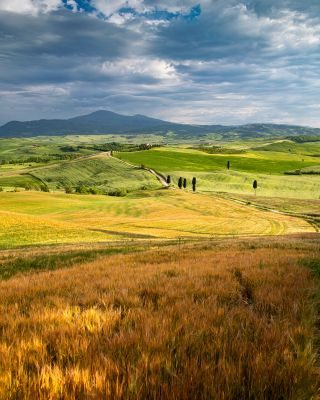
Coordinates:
x,y
31,218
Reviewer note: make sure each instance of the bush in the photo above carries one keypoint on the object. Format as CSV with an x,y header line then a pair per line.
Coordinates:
x,y
95,191
81,189
118,193
44,188
68,189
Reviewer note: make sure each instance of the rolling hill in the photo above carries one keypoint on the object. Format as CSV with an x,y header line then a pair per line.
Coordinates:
x,y
107,122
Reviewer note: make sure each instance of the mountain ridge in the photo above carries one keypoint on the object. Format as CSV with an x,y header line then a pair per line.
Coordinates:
x,y
108,122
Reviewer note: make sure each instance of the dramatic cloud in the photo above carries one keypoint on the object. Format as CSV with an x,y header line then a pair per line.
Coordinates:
x,y
211,61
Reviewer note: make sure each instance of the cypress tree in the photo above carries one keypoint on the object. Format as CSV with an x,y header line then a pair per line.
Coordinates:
x,y
184,183
194,182
168,179
255,185
180,183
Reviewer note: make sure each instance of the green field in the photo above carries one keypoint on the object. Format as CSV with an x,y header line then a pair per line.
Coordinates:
x,y
210,170
19,181
146,211
101,171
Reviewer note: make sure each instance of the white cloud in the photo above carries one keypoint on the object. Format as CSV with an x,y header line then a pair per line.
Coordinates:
x,y
153,68
33,7
18,6
288,29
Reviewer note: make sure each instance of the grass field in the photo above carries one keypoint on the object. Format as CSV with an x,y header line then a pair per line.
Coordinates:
x,y
19,181
286,146
224,320
210,169
20,149
30,218
263,160
101,171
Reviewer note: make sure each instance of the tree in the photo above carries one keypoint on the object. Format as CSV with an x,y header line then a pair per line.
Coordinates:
x,y
184,183
81,189
194,182
180,183
228,165
68,189
255,185
168,179
44,188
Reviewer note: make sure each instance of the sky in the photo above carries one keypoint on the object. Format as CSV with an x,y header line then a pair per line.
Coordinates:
x,y
189,61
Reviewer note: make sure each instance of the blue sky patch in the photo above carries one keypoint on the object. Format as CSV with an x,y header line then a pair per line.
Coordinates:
x,y
83,5
162,15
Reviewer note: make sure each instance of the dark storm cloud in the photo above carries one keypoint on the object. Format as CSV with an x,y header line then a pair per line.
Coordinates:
x,y
218,61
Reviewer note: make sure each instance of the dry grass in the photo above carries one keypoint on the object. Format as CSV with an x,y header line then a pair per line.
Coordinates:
x,y
236,321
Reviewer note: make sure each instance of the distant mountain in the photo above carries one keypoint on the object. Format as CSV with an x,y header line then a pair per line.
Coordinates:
x,y
107,122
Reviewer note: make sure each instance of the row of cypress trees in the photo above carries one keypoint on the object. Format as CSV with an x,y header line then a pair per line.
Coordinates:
x,y
182,182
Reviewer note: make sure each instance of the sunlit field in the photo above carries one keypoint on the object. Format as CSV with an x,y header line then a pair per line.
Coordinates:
x,y
31,218
267,167
227,320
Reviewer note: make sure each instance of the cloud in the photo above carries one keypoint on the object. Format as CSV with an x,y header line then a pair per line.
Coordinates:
x,y
222,61
32,7
145,68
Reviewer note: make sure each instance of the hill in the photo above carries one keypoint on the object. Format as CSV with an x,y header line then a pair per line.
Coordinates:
x,y
268,167
103,172
106,122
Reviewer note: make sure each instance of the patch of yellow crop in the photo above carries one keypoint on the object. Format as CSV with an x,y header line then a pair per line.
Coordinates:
x,y
22,229
47,218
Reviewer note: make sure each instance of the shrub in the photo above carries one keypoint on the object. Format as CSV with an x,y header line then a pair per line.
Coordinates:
x,y
44,188
81,189
95,190
68,189
118,193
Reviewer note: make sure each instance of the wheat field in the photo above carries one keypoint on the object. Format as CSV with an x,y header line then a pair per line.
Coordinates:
x,y
221,320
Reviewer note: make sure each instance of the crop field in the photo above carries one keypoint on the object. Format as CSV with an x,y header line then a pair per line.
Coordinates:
x,y
21,148
18,181
223,320
101,171
267,167
31,218
156,292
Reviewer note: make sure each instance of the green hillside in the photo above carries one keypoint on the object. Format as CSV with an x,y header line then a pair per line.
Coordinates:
x,y
268,167
170,159
101,171
286,146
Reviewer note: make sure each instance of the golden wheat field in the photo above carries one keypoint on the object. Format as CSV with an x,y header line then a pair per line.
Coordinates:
x,y
228,319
